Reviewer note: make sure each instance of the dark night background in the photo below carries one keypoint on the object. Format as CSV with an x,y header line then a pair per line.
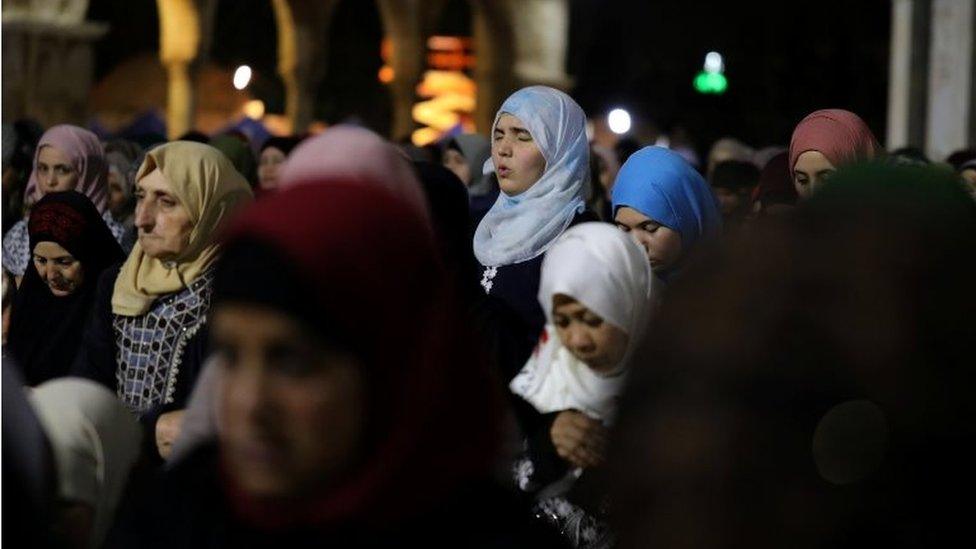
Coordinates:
x,y
783,60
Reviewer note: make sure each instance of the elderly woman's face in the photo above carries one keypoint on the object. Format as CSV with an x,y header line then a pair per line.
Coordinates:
x,y
163,221
810,172
518,161
291,408
55,172
60,270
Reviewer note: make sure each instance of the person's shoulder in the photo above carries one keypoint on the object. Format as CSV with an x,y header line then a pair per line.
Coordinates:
x,y
106,280
15,235
585,216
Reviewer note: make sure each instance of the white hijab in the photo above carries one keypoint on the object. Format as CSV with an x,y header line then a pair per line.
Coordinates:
x,y
523,227
95,442
606,271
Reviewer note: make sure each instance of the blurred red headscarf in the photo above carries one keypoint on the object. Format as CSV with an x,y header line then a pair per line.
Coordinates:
x,y
366,259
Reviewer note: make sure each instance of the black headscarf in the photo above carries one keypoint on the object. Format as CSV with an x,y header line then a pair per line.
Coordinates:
x,y
448,200
45,330
283,144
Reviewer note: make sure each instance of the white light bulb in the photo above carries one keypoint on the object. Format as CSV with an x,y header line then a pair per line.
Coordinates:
x,y
619,121
714,62
242,76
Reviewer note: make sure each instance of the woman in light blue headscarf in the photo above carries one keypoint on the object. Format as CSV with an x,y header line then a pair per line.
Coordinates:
x,y
668,207
540,154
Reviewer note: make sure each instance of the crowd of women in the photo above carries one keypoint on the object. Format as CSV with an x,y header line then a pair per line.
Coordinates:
x,y
519,341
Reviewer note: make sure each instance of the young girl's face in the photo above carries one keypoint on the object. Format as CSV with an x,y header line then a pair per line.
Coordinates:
x,y
518,161
662,244
598,343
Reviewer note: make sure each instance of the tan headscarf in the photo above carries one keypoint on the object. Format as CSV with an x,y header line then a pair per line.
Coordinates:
x,y
209,187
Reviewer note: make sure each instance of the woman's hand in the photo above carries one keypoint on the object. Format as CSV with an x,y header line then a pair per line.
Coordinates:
x,y
167,430
579,439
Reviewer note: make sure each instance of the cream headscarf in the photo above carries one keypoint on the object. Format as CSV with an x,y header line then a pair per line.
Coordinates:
x,y
210,189
95,442
607,271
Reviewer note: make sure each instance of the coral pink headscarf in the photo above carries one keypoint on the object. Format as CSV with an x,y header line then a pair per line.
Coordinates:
x,y
839,135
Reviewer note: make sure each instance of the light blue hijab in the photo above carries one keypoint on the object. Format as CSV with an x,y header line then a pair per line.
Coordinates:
x,y
523,227
660,184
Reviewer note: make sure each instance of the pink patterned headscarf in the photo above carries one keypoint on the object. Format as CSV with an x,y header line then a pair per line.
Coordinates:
x,y
839,135
344,152
87,157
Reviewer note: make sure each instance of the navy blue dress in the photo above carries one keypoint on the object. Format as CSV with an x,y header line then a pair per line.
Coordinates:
x,y
513,292
151,362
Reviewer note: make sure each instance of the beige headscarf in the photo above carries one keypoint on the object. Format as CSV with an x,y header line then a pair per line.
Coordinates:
x,y
209,187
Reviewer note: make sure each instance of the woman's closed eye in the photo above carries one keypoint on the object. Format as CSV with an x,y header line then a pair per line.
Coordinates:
x,y
592,320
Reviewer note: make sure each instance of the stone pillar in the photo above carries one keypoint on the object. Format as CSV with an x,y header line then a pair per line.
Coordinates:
x,y
179,44
402,24
303,27
48,62
495,58
952,65
541,30
908,74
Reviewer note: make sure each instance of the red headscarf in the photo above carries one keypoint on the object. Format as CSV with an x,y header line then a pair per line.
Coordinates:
x,y
87,156
367,260
839,135
775,183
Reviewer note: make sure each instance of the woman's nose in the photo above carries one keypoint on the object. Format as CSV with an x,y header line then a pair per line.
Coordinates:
x,y
579,340
143,218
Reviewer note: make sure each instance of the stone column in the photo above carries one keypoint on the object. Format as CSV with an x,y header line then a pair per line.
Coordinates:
x,y
303,27
541,30
179,43
952,65
908,74
48,62
402,24
495,58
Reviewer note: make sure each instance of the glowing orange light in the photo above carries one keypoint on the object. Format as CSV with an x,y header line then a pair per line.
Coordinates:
x,y
451,93
386,74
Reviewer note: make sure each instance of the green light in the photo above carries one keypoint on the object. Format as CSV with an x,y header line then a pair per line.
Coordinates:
x,y
711,82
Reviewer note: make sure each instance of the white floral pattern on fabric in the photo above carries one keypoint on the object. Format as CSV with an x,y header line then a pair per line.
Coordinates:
x,y
581,529
16,249
16,244
487,278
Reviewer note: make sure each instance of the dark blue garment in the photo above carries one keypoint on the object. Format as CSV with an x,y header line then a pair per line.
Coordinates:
x,y
97,357
514,293
480,206
187,506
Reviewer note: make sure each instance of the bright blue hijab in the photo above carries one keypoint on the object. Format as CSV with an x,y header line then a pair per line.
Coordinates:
x,y
660,184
